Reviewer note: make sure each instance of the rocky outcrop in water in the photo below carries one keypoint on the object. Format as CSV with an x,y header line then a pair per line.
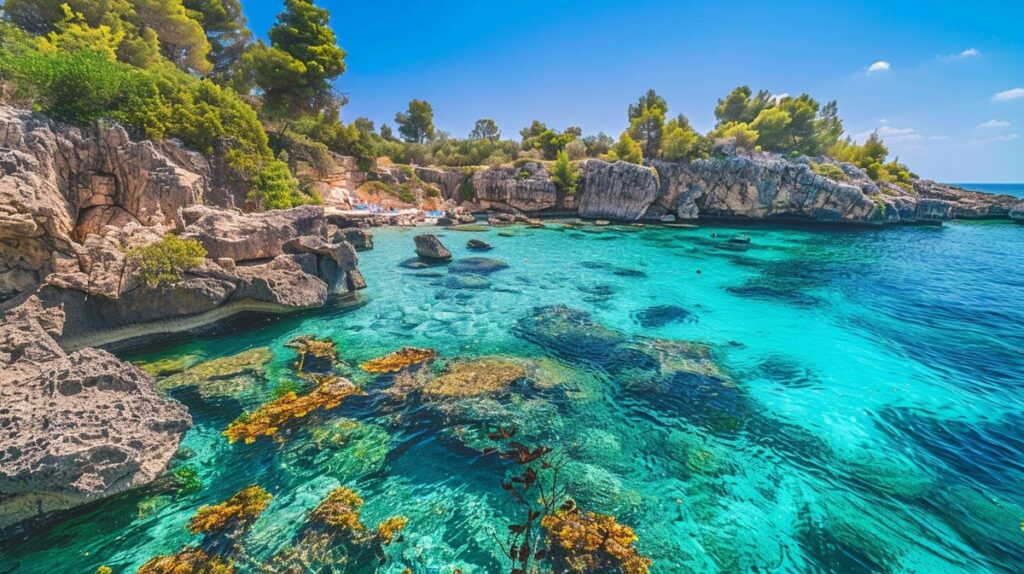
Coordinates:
x,y
60,183
972,204
430,247
735,185
76,427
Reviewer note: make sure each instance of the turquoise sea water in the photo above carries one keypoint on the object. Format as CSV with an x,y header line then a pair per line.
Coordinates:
x,y
866,416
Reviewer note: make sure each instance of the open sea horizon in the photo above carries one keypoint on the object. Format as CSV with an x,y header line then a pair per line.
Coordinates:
x,y
1014,189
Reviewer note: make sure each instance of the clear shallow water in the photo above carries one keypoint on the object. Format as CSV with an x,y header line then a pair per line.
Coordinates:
x,y
871,418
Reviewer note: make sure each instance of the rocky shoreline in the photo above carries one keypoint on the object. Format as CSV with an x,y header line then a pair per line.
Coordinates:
x,y
81,425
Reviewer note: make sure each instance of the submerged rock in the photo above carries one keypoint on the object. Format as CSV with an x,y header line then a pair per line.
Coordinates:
x,y
316,355
399,360
478,377
223,377
76,427
478,245
661,315
430,247
477,265
569,332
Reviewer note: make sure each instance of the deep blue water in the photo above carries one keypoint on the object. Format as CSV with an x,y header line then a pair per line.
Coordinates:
x,y
863,411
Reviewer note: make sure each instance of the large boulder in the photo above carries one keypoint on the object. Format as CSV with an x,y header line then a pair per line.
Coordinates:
x,y
77,427
620,191
428,246
250,236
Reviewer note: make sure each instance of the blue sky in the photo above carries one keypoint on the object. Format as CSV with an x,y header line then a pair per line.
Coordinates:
x,y
932,92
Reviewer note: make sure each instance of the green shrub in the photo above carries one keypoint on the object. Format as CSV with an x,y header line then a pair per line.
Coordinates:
x,y
829,170
379,187
432,192
188,479
406,194
564,174
164,261
274,187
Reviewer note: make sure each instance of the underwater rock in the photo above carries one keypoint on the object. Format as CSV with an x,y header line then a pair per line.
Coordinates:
x,y
469,227
346,449
169,366
235,513
399,360
478,245
477,265
428,246
190,560
466,281
697,454
570,333
315,355
661,315
420,263
740,240
477,377
222,377
266,420
761,290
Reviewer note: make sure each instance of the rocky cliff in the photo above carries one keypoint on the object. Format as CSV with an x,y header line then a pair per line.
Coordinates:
x,y
61,183
735,185
74,202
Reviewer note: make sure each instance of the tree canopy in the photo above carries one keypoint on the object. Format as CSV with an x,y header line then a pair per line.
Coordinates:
x,y
416,124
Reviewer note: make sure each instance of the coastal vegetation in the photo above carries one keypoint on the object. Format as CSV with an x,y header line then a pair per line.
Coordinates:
x,y
164,261
191,70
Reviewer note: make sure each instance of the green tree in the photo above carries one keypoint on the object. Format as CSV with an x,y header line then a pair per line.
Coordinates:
x,y
295,72
742,105
772,126
416,124
227,31
564,174
646,122
626,149
829,127
275,187
74,33
182,39
485,129
386,133
598,145
744,136
535,129
801,130
679,141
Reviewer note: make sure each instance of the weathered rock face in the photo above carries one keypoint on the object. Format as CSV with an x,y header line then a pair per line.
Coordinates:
x,y
60,183
620,190
361,239
528,188
970,204
246,237
446,180
77,427
430,247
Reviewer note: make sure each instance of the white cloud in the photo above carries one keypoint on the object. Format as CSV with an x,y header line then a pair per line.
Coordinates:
x,y
996,139
994,124
879,66
939,138
1011,94
968,53
777,97
892,135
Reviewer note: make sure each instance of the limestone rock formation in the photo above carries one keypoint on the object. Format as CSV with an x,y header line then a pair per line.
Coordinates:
x,y
528,188
246,237
361,239
620,190
430,247
971,204
60,183
76,427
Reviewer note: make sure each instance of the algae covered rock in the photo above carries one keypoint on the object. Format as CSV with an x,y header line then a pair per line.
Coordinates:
x,y
346,449
226,376
477,265
399,360
477,377
316,355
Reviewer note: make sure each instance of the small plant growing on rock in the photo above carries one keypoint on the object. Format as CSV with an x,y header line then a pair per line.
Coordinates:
x,y
399,360
829,170
266,420
164,261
